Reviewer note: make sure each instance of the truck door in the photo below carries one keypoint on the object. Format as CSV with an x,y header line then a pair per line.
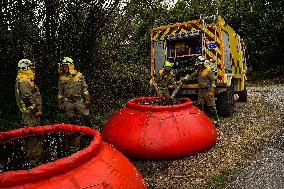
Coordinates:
x,y
227,52
159,55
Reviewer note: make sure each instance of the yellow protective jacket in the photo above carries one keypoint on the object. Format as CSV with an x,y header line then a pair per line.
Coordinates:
x,y
206,78
72,86
27,94
165,78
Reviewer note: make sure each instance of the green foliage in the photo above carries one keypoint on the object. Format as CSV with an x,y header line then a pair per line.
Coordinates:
x,y
114,86
260,23
222,179
110,42
9,121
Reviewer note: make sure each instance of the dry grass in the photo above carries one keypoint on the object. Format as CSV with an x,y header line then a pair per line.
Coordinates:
x,y
239,137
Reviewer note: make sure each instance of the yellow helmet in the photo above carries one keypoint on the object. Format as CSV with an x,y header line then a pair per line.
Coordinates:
x,y
67,60
168,64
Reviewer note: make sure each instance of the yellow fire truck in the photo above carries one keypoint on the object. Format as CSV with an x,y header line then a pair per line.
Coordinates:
x,y
217,42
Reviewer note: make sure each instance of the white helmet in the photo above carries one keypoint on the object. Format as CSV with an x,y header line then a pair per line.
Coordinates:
x,y
201,59
25,64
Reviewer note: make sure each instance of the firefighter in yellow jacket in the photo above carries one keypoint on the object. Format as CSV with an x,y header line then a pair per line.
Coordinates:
x,y
207,84
73,95
164,79
29,101
28,97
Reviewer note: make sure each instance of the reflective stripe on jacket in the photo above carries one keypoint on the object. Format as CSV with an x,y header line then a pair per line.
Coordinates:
x,y
27,96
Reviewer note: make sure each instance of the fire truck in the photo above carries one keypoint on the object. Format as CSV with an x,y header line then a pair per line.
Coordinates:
x,y
222,48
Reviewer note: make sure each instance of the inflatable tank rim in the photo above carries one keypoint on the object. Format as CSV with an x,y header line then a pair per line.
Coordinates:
x,y
52,168
134,104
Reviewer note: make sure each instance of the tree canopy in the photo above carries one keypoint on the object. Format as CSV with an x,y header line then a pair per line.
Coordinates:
x,y
110,41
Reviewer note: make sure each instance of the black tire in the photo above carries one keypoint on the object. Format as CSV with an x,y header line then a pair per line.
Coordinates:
x,y
243,95
225,103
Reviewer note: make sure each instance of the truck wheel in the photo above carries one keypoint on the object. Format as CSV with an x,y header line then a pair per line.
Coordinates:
x,y
225,103
243,95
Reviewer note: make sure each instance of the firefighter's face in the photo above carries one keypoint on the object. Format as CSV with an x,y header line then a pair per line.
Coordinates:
x,y
200,66
167,69
65,68
33,68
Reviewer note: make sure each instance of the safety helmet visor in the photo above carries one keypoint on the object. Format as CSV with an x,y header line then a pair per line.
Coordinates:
x,y
171,59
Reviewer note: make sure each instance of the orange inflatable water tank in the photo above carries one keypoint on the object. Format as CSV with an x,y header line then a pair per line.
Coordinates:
x,y
96,166
148,130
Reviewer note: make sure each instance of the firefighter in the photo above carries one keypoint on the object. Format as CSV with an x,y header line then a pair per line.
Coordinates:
x,y
164,79
207,85
27,94
29,101
73,95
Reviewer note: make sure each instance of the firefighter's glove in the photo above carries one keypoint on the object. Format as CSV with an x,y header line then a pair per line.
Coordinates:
x,y
87,100
34,109
179,82
151,82
87,104
38,114
184,79
211,91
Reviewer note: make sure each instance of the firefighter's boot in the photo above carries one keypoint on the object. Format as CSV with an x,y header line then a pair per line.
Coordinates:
x,y
214,115
34,149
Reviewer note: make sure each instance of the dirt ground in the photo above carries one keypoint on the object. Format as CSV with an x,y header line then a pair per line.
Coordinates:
x,y
240,137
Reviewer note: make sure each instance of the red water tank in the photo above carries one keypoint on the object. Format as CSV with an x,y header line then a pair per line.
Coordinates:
x,y
147,130
97,166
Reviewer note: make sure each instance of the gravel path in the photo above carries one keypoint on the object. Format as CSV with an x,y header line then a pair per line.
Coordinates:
x,y
266,168
271,94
